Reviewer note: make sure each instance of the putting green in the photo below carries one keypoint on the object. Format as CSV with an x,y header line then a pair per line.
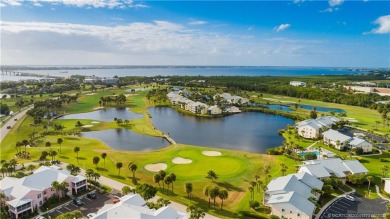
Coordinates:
x,y
197,170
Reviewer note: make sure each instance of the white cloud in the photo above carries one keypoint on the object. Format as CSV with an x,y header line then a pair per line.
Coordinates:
x,y
384,25
298,1
197,22
282,27
2,5
81,3
12,2
333,3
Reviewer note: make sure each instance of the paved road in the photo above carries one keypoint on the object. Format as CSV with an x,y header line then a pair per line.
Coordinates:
x,y
4,131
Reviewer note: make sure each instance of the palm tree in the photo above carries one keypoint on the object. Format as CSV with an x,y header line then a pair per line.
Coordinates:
x,y
133,167
173,178
76,150
13,164
59,141
250,188
214,192
89,173
55,186
259,184
79,124
25,143
48,144
53,154
162,174
119,165
95,161
206,192
211,175
188,188
369,179
104,155
384,170
223,194
157,179
168,181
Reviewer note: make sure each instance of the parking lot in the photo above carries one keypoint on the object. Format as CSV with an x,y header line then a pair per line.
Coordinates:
x,y
360,208
89,206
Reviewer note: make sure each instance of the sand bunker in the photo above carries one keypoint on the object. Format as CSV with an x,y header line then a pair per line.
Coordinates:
x,y
180,160
95,122
91,94
130,95
156,167
87,126
96,108
212,153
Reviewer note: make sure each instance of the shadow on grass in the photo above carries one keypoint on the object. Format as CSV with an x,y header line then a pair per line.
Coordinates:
x,y
204,204
82,158
72,138
364,161
117,177
63,157
229,186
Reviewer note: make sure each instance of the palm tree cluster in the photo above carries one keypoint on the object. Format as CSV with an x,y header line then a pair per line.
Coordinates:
x,y
22,154
92,175
109,100
161,202
60,188
133,167
211,175
120,121
166,179
74,170
214,192
8,168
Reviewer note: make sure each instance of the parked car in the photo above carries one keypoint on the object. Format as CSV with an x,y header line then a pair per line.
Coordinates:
x,y
91,215
349,198
77,202
40,217
9,127
91,195
116,200
16,119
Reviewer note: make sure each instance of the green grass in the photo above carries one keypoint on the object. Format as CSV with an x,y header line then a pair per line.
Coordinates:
x,y
366,117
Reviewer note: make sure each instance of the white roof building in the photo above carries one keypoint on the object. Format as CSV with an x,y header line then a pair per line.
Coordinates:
x,y
332,167
298,83
288,195
336,138
361,143
134,207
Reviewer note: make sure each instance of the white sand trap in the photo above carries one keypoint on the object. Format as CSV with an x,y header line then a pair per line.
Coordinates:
x,y
87,126
91,94
156,167
212,153
95,122
99,107
180,160
130,95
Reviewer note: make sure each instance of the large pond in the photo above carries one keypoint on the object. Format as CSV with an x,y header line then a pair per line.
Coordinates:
x,y
124,139
106,115
249,131
291,107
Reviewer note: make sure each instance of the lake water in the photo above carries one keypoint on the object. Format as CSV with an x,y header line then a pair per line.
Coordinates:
x,y
106,115
192,71
285,108
249,131
322,109
124,139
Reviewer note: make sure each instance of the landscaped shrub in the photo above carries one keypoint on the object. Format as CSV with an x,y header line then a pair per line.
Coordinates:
x,y
254,204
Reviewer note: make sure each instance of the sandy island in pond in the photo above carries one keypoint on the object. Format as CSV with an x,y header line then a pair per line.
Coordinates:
x,y
180,160
156,167
87,126
211,153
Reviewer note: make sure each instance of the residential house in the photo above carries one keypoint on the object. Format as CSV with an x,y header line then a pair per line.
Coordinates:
x,y
360,143
197,107
233,109
337,139
134,206
288,196
231,99
297,83
26,194
110,80
325,168
214,110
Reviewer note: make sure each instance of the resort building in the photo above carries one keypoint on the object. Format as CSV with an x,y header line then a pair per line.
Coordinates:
x,y
231,99
311,128
342,142
297,83
214,110
27,194
337,139
325,168
288,196
360,143
197,107
110,80
134,206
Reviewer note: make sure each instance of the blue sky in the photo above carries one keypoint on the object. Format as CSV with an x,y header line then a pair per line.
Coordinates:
x,y
282,33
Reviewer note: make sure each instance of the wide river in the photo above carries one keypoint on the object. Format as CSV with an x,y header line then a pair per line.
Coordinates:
x,y
248,131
